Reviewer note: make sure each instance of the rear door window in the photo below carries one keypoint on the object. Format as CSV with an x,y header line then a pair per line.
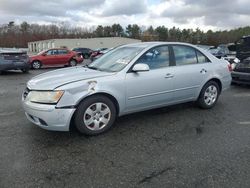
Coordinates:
x,y
61,52
184,55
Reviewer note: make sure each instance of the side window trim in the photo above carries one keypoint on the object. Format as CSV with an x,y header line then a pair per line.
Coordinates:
x,y
196,53
172,61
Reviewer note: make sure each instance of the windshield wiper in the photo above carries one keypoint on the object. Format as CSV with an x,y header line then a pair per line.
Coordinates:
x,y
93,68
96,68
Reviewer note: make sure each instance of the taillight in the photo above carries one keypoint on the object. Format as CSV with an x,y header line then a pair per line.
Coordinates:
x,y
229,66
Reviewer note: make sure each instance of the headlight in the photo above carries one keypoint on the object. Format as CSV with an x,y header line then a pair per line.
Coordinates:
x,y
48,97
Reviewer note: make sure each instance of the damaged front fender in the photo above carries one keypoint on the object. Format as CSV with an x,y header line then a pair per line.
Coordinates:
x,y
76,93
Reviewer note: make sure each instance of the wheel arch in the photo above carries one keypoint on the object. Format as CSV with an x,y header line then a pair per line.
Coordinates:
x,y
74,59
212,79
111,97
36,60
218,82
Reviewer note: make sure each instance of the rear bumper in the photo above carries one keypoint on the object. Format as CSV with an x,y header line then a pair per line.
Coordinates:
x,y
240,77
5,65
79,60
48,116
226,82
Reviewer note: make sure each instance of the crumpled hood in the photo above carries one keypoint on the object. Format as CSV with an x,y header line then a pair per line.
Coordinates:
x,y
53,79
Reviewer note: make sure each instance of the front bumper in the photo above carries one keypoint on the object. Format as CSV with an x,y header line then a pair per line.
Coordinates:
x,y
48,116
240,77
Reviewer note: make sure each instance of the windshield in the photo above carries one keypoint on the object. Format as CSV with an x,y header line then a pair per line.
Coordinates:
x,y
116,59
213,51
42,52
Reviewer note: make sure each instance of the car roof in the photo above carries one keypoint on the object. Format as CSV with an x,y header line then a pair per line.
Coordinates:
x,y
12,52
58,49
152,44
247,36
82,48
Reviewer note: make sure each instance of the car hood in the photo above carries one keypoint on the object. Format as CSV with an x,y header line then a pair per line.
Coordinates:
x,y
53,79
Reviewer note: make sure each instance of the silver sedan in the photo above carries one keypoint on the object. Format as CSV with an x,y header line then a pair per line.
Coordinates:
x,y
128,79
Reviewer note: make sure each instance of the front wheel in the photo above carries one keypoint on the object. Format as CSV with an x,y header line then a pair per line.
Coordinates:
x,y
209,95
36,65
95,115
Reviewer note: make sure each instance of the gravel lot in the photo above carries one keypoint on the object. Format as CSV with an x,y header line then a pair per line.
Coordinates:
x,y
178,146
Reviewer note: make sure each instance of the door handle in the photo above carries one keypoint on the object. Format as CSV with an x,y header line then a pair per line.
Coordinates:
x,y
169,75
203,71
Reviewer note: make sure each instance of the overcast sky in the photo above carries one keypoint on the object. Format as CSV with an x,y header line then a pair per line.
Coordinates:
x,y
205,14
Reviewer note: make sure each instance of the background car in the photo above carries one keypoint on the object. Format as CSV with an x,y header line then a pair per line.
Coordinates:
x,y
55,57
85,52
243,48
14,60
241,72
96,52
205,47
128,79
101,53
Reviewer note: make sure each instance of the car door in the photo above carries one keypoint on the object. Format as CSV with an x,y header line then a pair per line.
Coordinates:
x,y
192,68
63,56
49,57
151,88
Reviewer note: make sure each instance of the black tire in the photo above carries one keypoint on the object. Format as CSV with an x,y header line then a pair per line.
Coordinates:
x,y
86,104
36,64
72,63
25,70
202,98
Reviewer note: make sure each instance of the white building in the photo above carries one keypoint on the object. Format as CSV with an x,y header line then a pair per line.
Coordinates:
x,y
92,43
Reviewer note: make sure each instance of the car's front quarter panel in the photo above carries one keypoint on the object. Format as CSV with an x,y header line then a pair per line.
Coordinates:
x,y
75,92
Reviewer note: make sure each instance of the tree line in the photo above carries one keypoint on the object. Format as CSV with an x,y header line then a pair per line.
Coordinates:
x,y
18,35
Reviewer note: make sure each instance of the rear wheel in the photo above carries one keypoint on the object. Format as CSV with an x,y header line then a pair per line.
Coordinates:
x,y
72,63
209,95
36,64
95,115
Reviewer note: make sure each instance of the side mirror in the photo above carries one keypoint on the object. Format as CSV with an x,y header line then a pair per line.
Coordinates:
x,y
44,54
140,67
